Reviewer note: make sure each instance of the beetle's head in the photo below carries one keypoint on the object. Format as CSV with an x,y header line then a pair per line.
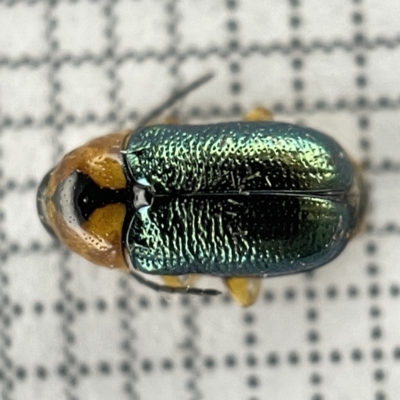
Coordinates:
x,y
82,201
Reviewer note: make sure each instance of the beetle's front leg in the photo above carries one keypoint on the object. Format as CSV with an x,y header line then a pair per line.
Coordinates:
x,y
176,281
171,120
171,289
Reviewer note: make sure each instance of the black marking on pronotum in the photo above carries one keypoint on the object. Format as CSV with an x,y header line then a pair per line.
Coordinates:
x,y
78,192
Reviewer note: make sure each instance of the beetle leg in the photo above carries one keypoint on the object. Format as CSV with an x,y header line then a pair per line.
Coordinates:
x,y
171,120
258,114
243,290
169,289
180,280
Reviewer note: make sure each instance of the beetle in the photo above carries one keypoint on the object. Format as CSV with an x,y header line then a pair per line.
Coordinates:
x,y
239,200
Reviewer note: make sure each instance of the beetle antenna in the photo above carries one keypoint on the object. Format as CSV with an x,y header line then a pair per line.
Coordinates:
x,y
176,96
169,289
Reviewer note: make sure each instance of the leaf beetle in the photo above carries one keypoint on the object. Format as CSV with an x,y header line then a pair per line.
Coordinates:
x,y
239,200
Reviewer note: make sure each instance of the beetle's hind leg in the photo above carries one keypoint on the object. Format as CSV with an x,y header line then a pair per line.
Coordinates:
x,y
173,289
243,290
258,114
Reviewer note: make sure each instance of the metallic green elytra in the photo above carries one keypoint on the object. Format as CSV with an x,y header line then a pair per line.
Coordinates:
x,y
239,199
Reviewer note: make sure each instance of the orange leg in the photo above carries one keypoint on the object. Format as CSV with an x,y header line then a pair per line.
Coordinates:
x,y
243,290
180,280
258,114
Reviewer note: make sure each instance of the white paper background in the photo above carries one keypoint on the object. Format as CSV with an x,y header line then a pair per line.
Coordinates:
x,y
72,70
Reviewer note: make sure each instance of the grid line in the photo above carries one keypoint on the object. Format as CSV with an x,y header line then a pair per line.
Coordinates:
x,y
294,46
356,104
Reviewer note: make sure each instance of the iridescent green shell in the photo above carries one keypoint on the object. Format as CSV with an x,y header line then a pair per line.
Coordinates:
x,y
240,199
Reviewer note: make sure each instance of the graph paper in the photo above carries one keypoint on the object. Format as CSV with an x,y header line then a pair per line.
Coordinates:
x,y
73,70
